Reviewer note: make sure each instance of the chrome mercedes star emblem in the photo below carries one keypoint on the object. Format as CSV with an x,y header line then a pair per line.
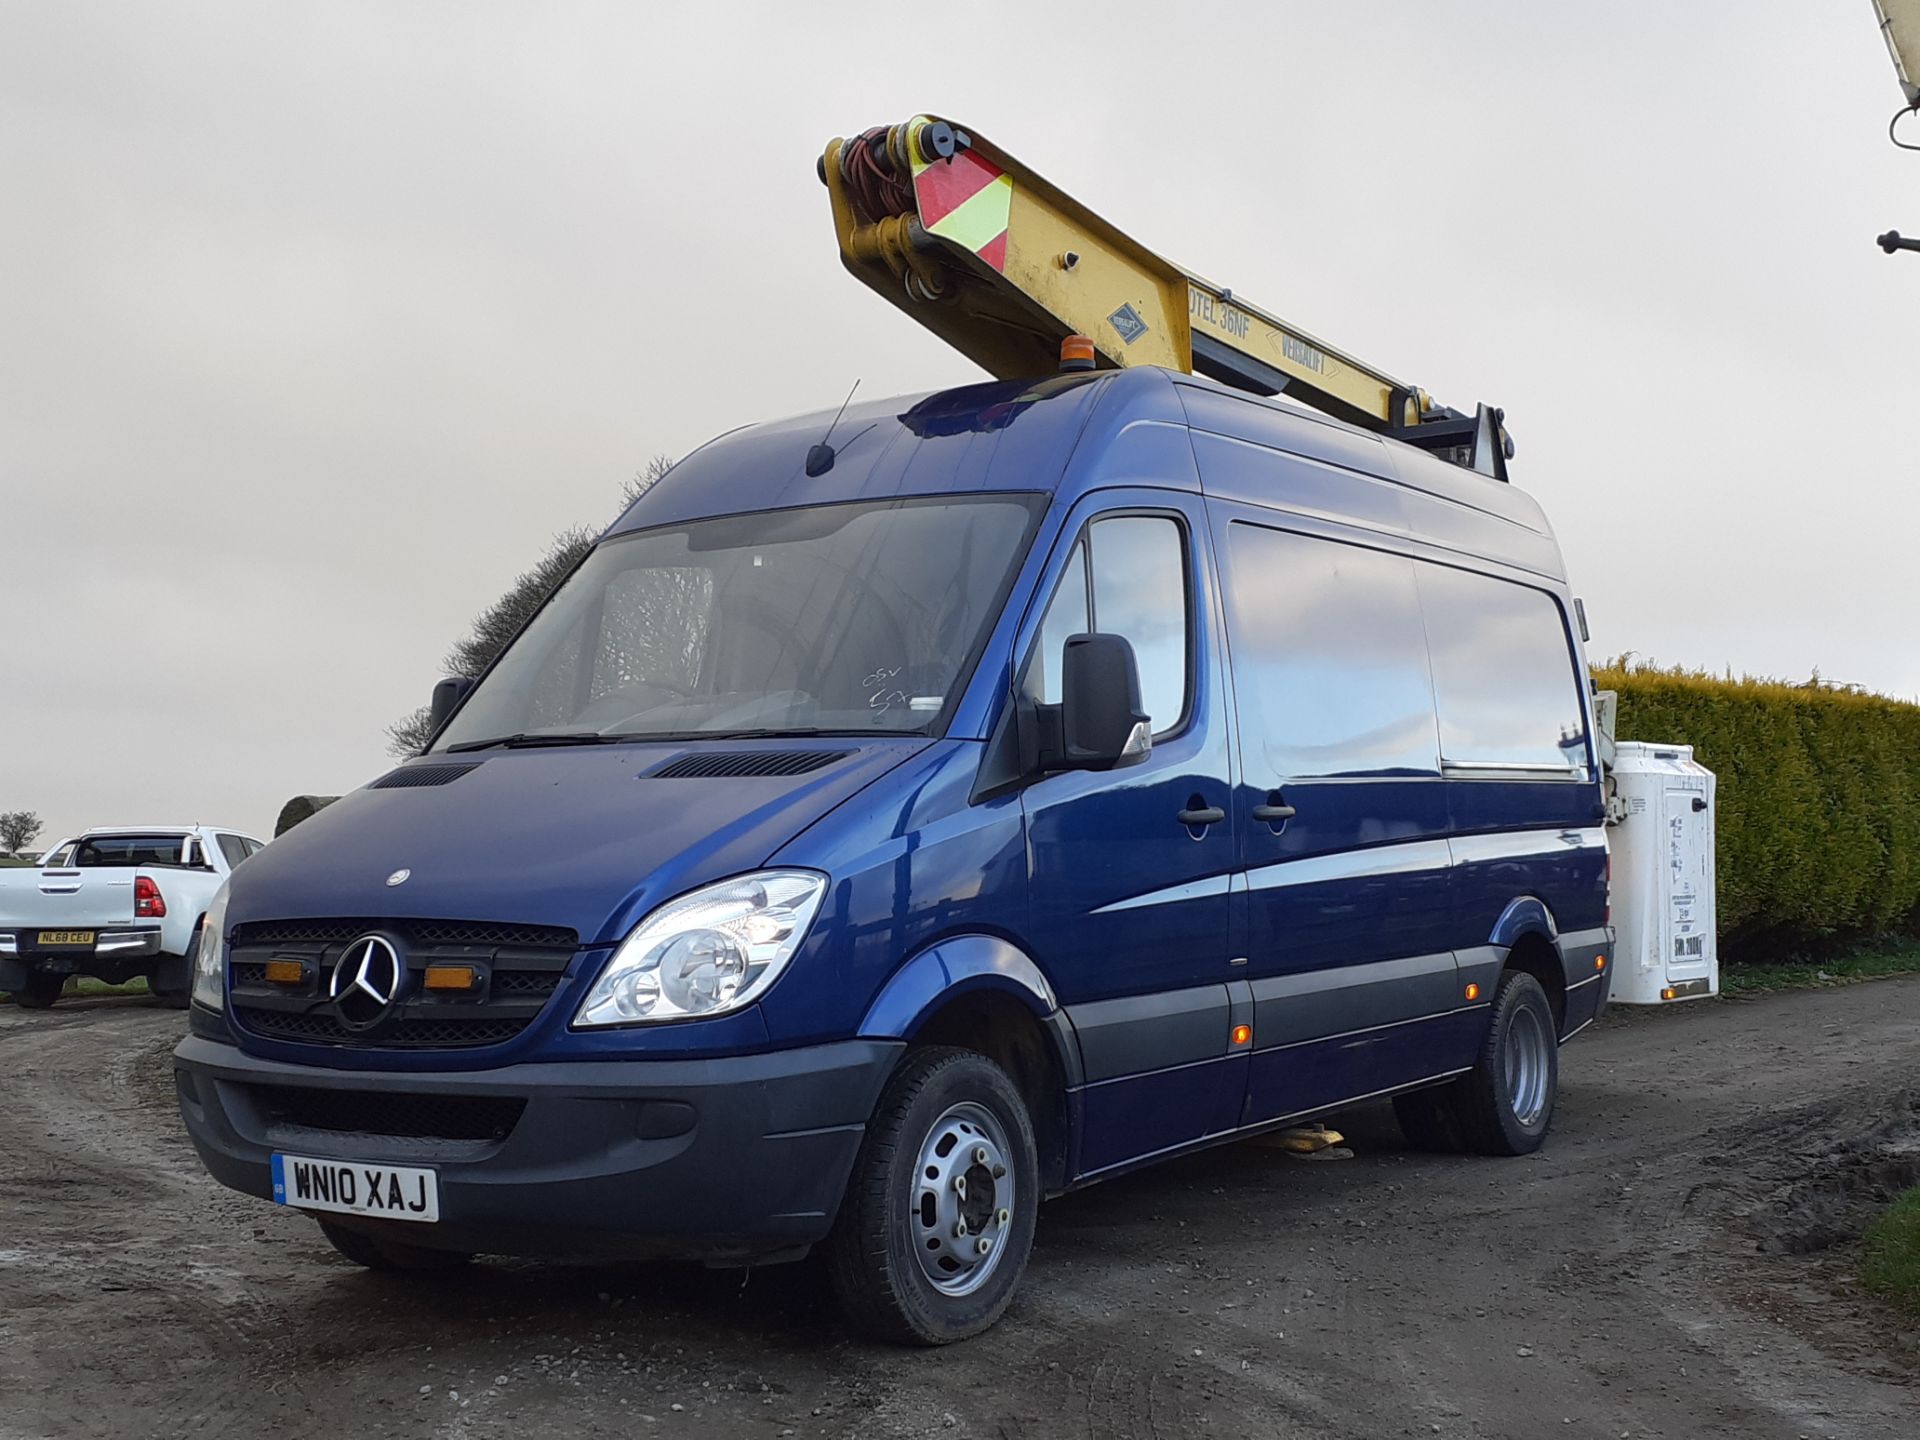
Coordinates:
x,y
369,967
398,877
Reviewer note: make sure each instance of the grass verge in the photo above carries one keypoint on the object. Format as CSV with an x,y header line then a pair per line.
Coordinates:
x,y
1890,1259
1873,960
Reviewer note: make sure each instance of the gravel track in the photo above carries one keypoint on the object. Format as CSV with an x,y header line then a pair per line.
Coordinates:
x,y
1674,1263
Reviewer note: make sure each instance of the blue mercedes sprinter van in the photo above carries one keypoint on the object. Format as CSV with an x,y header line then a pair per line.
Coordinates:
x,y
870,840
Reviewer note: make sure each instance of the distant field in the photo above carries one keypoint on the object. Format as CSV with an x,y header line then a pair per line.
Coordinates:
x,y
4,860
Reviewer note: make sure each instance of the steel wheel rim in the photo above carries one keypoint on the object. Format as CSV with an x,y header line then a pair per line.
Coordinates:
x,y
962,1199
1527,1062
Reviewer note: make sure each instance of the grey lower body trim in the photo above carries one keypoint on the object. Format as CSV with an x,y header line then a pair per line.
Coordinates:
x,y
1342,999
1578,948
1371,1029
1161,1030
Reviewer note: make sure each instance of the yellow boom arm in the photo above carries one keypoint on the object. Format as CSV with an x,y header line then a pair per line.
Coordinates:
x,y
1003,266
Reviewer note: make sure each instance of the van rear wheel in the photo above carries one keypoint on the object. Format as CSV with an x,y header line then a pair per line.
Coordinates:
x,y
1505,1103
933,1235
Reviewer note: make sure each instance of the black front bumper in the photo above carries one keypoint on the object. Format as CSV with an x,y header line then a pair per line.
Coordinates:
x,y
725,1159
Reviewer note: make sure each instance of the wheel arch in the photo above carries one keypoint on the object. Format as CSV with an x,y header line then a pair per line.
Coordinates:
x,y
1535,954
983,993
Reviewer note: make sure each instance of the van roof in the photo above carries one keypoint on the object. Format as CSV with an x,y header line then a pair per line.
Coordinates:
x,y
1022,435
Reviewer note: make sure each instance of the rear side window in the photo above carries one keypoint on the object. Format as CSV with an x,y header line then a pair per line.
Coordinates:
x,y
1504,674
1329,658
234,848
1127,576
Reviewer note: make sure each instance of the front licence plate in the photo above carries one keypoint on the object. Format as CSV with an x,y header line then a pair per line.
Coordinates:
x,y
66,937
353,1187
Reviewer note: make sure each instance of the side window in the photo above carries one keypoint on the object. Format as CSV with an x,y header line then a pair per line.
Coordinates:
x,y
1067,615
1503,671
1330,662
60,859
233,848
1127,576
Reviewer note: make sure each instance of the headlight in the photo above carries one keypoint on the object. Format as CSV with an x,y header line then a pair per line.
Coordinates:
x,y
210,957
711,951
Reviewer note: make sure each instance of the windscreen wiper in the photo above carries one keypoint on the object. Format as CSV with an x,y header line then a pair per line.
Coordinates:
x,y
530,739
770,733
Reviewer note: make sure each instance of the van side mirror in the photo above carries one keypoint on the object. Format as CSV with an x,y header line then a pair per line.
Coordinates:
x,y
447,696
1098,724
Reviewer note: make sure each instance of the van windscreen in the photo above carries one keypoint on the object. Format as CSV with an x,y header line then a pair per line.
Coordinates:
x,y
823,619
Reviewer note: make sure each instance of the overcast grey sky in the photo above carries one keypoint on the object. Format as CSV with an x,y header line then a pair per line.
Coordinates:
x,y
317,321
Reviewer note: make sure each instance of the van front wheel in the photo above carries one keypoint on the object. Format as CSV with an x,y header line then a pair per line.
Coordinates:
x,y
933,1234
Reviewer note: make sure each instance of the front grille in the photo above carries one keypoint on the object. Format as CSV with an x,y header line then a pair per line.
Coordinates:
x,y
519,969
416,932
375,1112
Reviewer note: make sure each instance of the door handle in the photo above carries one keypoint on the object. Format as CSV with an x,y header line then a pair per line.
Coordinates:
x,y
1273,814
1206,815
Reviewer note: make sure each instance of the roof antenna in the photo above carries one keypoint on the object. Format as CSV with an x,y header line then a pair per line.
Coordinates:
x,y
820,456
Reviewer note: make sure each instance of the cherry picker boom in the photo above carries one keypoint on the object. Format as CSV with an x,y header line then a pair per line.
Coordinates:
x,y
1003,266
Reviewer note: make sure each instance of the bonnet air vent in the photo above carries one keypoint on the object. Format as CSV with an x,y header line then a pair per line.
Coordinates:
x,y
737,763
409,777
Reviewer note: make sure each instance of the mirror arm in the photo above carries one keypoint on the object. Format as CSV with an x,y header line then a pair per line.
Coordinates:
x,y
1046,724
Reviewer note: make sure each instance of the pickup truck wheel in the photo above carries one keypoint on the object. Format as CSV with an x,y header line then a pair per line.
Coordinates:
x,y
175,995
377,1253
933,1234
1505,1103
40,991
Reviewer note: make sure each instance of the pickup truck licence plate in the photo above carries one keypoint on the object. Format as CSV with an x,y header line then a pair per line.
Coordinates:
x,y
353,1187
66,937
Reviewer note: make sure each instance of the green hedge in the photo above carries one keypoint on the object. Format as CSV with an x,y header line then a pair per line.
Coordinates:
x,y
1819,814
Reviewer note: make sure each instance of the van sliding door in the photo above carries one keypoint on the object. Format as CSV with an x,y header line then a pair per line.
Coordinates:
x,y
1343,817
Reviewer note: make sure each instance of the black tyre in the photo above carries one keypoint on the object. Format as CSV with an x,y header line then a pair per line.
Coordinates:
x,y
379,1253
172,980
1505,1104
933,1235
40,991
1430,1119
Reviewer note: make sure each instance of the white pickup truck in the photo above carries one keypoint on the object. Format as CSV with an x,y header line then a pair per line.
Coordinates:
x,y
114,904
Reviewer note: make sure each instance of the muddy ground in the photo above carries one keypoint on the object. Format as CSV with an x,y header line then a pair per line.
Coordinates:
x,y
1675,1263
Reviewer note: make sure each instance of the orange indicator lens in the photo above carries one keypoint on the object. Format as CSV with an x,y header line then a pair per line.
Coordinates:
x,y
1599,962
1243,1034
1473,992
1669,993
1076,353
451,977
286,972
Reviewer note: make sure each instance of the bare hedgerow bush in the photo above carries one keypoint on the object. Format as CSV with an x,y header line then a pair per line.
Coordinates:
x,y
496,625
